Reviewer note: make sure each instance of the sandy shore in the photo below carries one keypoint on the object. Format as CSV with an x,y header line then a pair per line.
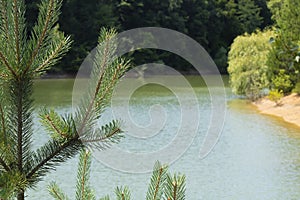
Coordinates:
x,y
289,108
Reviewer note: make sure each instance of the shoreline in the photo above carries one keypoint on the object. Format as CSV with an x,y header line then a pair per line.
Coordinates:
x,y
131,74
288,110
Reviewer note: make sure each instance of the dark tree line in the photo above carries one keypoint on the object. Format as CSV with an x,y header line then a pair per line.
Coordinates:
x,y
213,23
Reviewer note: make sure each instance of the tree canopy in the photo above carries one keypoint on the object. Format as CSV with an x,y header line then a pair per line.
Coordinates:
x,y
282,59
255,64
214,24
248,63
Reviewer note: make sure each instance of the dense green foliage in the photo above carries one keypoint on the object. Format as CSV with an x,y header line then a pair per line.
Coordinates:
x,y
278,61
282,82
297,88
275,95
247,64
163,185
282,62
24,55
213,23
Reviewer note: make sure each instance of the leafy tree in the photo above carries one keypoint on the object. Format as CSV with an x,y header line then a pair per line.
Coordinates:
x,y
196,23
265,13
162,184
154,13
236,17
82,21
282,61
297,88
203,20
143,13
288,18
285,44
282,82
247,63
249,15
23,58
275,7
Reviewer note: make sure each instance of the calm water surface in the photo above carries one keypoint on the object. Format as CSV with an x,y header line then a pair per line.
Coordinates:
x,y
257,156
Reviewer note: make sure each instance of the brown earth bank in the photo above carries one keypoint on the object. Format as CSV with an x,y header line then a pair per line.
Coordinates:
x,y
288,108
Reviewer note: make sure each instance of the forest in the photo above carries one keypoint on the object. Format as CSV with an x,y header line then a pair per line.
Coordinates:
x,y
212,23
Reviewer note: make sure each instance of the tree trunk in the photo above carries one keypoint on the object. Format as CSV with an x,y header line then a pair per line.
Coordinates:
x,y
21,195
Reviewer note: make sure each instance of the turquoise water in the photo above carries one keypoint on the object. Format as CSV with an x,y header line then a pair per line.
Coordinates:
x,y
256,157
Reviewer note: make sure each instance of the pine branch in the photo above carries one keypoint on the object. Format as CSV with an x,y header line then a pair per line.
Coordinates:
x,y
82,174
10,183
17,31
106,71
16,147
51,123
105,198
104,137
22,59
4,165
83,177
3,125
56,192
158,179
93,99
50,155
19,118
20,131
123,193
175,187
121,66
5,140
6,155
83,190
7,65
102,94
55,124
4,20
42,35
60,49
175,190
105,37
172,188
48,16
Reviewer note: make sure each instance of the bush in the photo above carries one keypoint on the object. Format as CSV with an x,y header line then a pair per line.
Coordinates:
x,y
275,96
282,82
247,64
297,88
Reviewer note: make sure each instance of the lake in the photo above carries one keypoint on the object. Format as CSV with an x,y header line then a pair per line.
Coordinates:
x,y
256,157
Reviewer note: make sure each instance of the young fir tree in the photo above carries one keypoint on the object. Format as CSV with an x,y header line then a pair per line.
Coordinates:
x,y
162,184
25,55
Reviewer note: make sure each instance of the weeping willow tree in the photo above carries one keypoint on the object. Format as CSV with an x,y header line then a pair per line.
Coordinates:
x,y
162,186
247,60
25,55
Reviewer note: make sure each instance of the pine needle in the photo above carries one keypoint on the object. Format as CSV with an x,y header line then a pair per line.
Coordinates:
x,y
158,179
